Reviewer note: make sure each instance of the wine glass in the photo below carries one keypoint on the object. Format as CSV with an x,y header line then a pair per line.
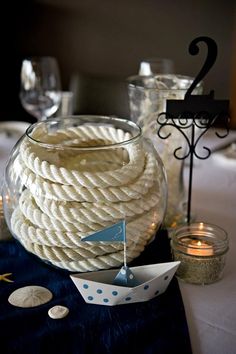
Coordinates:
x,y
40,92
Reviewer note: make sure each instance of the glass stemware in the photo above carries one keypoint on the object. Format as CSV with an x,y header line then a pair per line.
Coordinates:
x,y
40,92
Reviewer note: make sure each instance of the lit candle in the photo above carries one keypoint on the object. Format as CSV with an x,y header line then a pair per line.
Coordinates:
x,y
199,248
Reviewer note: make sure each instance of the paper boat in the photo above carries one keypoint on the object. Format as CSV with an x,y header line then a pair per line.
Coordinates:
x,y
97,287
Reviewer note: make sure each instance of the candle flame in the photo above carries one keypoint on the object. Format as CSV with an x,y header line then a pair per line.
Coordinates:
x,y
199,243
201,225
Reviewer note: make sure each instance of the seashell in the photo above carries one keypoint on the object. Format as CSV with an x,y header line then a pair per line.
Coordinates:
x,y
30,296
58,311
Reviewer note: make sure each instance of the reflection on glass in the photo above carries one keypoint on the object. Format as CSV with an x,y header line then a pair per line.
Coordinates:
x,y
153,66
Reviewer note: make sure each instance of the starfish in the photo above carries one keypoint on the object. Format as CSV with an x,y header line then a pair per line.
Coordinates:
x,y
5,276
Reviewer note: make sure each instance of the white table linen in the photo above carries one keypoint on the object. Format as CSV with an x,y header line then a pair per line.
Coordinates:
x,y
211,309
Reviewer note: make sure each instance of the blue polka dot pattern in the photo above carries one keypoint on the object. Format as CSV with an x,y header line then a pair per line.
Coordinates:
x,y
114,293
85,286
146,287
99,291
105,300
128,298
90,298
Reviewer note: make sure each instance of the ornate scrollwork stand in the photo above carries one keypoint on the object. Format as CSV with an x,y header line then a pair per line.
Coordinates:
x,y
194,115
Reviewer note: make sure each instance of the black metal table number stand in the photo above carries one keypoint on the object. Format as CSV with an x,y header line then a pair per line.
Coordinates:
x,y
195,111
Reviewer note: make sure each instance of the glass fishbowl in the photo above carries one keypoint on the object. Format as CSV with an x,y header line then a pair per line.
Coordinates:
x,y
70,177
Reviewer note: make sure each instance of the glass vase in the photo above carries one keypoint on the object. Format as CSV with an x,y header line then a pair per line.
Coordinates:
x,y
147,99
70,177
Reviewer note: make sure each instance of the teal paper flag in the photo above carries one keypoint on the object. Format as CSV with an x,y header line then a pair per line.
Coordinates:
x,y
114,233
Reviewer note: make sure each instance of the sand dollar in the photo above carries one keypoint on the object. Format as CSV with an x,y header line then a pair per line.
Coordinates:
x,y
30,296
58,311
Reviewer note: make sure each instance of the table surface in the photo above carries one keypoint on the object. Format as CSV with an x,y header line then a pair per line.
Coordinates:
x,y
211,309
143,327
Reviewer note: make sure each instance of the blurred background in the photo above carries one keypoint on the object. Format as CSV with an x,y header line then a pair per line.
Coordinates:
x,y
98,44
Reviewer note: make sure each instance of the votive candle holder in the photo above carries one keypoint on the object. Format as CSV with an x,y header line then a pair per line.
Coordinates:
x,y
201,248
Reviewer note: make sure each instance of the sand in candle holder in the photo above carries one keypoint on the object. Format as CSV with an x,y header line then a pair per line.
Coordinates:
x,y
201,248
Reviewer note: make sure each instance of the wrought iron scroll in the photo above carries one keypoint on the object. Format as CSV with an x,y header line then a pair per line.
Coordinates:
x,y
194,112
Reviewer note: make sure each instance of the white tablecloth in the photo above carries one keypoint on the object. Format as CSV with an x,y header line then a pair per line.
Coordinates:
x,y
211,309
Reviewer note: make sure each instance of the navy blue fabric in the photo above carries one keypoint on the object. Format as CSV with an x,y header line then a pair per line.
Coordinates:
x,y
154,327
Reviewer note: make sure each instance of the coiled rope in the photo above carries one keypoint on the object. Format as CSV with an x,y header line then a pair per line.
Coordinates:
x,y
69,194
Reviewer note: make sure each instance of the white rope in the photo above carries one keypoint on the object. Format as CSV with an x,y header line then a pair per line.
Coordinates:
x,y
84,217
125,174
71,194
56,191
29,231
48,245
